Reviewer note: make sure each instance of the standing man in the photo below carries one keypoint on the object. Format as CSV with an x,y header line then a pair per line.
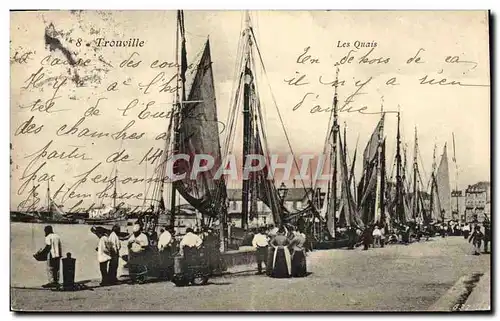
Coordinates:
x,y
164,240
377,235
476,237
260,243
54,248
137,246
114,246
351,234
103,254
212,251
487,235
466,231
382,236
165,249
138,242
367,238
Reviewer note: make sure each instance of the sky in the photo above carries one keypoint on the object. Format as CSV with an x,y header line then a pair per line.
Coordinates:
x,y
451,45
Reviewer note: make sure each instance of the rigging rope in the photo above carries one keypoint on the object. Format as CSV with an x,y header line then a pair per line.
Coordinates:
x,y
279,114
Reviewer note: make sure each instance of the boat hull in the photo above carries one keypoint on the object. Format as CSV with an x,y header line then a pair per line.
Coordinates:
x,y
106,221
333,244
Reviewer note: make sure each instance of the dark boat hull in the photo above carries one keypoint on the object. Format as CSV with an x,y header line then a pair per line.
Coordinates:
x,y
24,217
332,244
106,221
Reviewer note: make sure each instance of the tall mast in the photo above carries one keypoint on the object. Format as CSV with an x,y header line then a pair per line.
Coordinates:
x,y
432,178
34,198
415,174
345,139
247,117
48,195
114,190
456,176
399,192
179,98
335,130
379,196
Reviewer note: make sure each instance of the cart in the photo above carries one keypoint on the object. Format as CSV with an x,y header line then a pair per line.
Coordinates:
x,y
194,270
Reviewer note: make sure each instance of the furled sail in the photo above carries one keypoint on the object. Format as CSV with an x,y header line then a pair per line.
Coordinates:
x,y
370,185
266,190
350,213
198,134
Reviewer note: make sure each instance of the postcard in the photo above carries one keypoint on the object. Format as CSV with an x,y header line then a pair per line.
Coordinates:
x,y
250,161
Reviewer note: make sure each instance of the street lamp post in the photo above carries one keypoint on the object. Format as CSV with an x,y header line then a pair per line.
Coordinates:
x,y
282,192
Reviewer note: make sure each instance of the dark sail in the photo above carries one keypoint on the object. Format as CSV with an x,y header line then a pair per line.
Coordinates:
x,y
371,169
198,134
266,190
350,213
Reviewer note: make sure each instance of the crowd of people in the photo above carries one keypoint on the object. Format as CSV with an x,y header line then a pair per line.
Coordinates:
x,y
378,235
281,250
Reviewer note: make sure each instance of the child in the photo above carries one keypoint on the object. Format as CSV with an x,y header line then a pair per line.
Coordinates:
x,y
476,238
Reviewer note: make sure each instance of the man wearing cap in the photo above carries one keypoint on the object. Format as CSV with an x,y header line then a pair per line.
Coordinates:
x,y
54,248
260,242
103,254
114,246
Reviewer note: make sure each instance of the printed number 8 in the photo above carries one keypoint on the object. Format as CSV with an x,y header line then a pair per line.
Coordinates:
x,y
79,42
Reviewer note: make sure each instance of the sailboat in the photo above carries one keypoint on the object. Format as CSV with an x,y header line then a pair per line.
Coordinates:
x,y
108,215
200,135
440,190
336,212
258,186
371,188
53,213
192,130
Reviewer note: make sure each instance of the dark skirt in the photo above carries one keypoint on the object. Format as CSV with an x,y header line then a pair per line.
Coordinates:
x,y
299,266
280,268
166,262
269,261
137,263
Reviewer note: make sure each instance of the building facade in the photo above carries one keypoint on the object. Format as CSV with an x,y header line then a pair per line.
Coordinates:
x,y
478,202
296,199
458,205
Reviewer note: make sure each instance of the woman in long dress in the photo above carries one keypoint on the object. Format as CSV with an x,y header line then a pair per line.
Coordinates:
x,y
299,266
281,267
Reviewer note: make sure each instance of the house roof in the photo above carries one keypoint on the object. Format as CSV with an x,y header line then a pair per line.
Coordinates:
x,y
479,187
294,194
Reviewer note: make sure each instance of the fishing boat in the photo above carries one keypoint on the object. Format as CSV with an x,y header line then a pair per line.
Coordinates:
x,y
190,135
108,215
371,188
53,213
337,213
258,187
440,189
192,129
24,217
